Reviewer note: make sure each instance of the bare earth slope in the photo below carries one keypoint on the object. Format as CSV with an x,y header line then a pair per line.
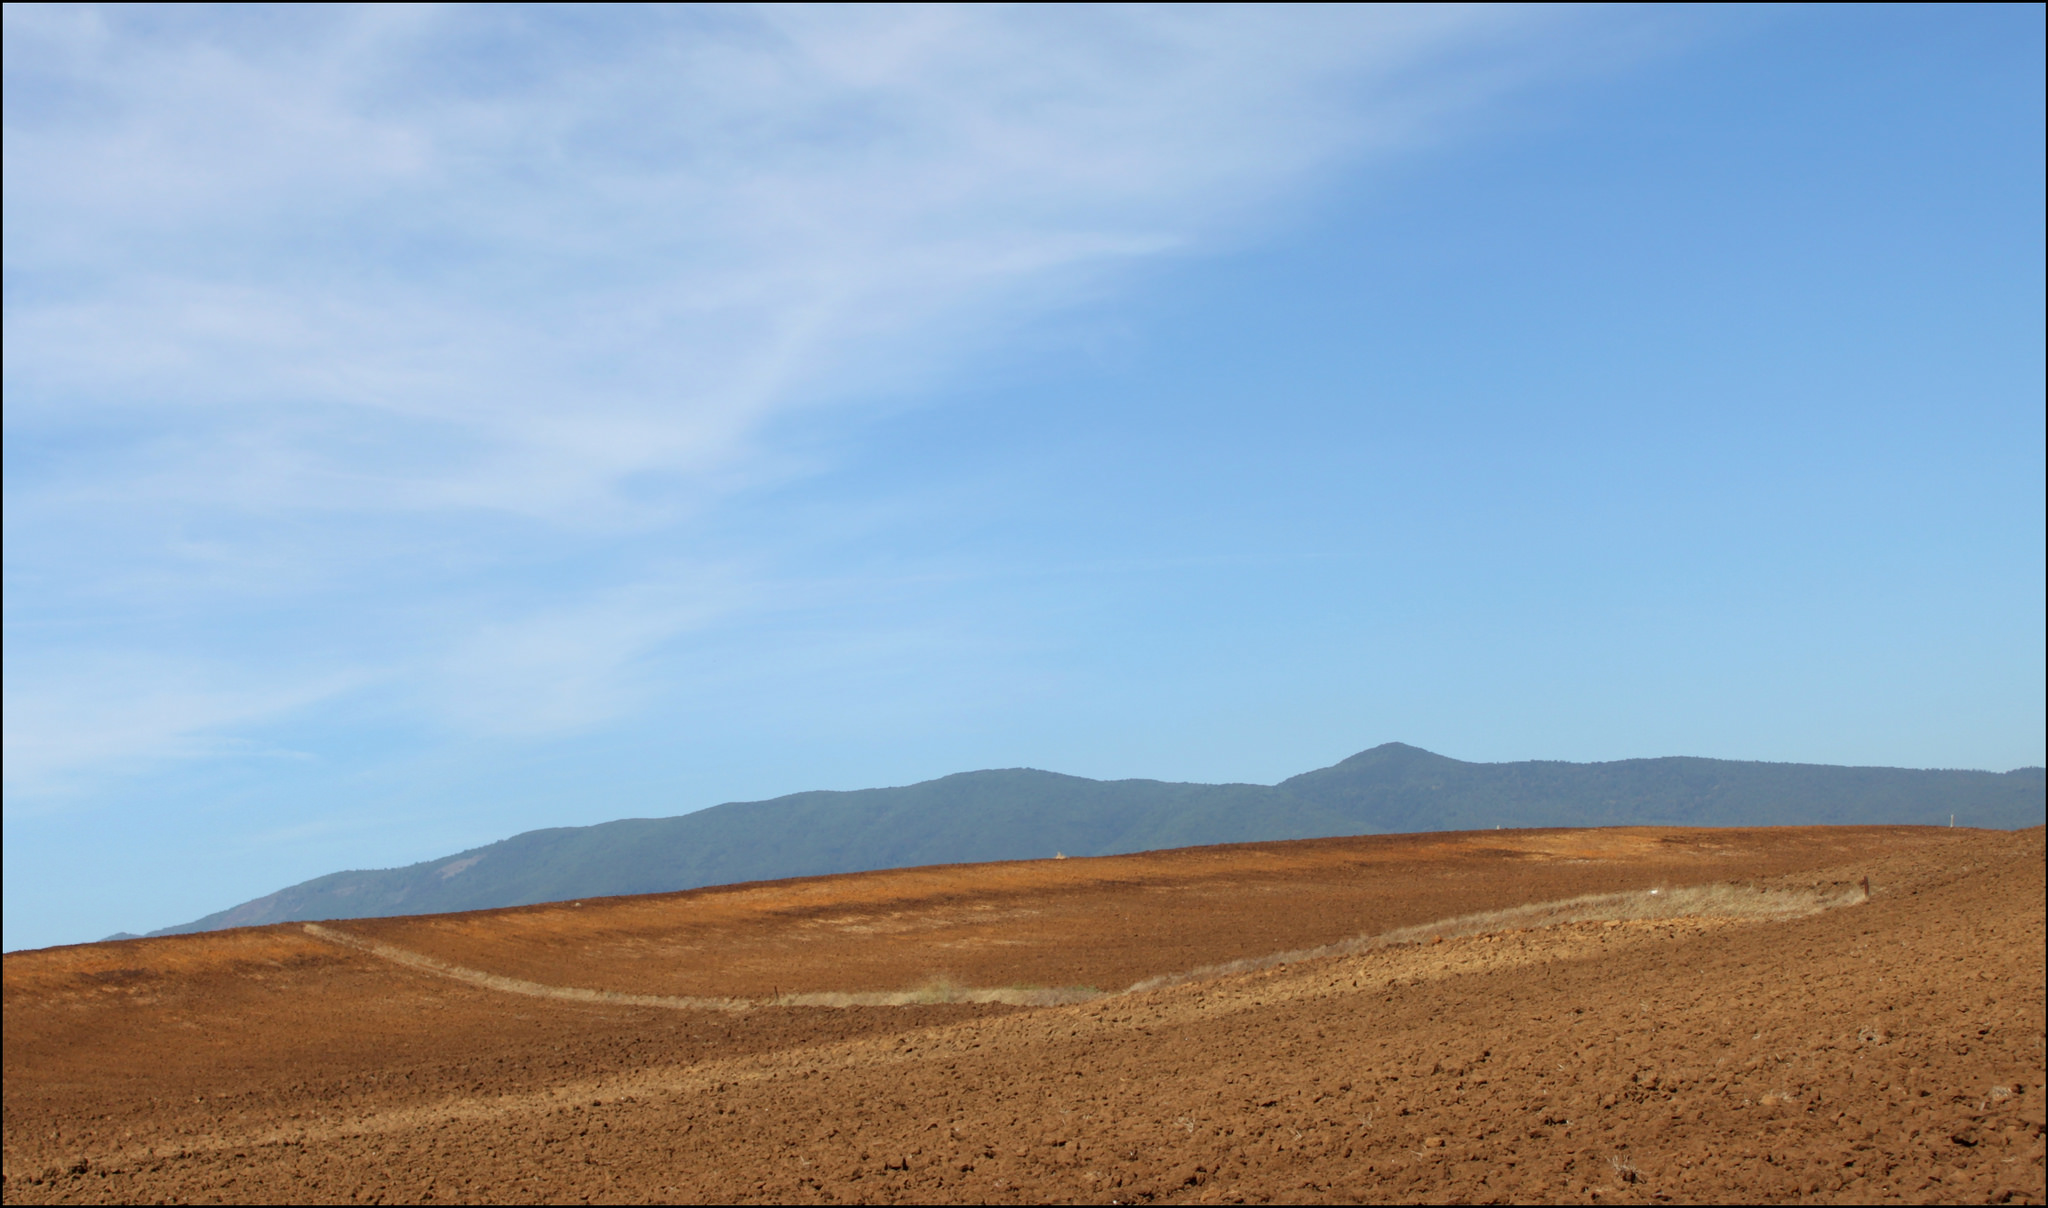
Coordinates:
x,y
644,1048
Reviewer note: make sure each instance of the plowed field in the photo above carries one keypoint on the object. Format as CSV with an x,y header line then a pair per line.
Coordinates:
x,y
1839,1014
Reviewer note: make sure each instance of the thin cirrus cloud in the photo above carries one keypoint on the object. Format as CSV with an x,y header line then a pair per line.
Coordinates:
x,y
119,714
300,301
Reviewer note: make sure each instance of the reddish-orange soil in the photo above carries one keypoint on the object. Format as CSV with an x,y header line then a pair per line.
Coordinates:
x,y
1888,1049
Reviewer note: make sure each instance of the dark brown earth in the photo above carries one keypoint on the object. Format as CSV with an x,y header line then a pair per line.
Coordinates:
x,y
1890,1049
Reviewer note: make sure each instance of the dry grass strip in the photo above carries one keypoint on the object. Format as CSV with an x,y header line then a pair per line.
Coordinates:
x,y
1728,901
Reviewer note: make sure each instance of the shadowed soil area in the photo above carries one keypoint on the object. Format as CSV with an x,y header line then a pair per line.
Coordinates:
x,y
1883,1049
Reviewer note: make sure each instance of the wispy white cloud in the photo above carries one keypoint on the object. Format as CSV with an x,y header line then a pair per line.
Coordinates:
x,y
571,666
567,252
307,292
118,711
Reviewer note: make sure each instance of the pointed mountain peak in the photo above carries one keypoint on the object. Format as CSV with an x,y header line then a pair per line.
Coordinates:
x,y
1394,753
1387,763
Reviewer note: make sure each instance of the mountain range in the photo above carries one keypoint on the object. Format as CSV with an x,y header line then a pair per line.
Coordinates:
x,y
1021,813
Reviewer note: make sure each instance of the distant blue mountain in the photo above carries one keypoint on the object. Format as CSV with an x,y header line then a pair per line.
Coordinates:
x,y
1019,814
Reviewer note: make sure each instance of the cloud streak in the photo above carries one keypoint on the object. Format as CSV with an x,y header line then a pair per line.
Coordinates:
x,y
309,303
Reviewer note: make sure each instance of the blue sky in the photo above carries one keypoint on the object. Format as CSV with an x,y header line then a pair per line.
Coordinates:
x,y
425,424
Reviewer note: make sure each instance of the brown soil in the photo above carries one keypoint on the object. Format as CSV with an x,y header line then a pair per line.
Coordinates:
x,y
1885,1049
